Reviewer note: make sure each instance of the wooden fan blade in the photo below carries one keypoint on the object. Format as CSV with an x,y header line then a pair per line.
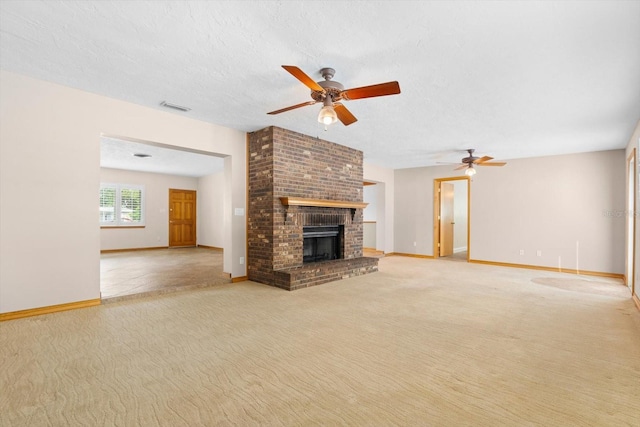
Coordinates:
x,y
305,79
293,107
483,159
343,114
382,89
462,166
492,164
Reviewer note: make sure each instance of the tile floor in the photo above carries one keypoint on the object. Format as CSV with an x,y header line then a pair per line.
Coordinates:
x,y
131,274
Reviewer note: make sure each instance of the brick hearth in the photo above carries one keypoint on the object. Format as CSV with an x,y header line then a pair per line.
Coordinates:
x,y
287,164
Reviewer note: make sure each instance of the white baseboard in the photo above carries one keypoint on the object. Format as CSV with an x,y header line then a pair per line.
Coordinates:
x,y
461,249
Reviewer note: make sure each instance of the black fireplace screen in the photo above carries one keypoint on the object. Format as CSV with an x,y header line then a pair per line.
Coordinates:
x,y
322,243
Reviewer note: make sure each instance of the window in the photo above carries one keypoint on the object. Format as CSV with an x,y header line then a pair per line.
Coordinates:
x,y
121,205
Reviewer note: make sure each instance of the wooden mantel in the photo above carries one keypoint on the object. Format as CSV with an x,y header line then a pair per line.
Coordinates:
x,y
320,203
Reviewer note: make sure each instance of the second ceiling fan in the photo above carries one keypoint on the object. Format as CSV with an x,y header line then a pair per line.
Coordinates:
x,y
330,92
471,160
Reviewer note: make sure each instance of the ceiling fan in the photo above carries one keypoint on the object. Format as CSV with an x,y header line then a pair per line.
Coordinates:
x,y
469,162
330,92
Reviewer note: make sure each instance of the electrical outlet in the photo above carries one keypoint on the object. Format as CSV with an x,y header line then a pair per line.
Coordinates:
x,y
539,253
415,244
241,260
521,251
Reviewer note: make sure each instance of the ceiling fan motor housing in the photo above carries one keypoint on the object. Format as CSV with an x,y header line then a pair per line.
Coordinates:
x,y
471,159
332,89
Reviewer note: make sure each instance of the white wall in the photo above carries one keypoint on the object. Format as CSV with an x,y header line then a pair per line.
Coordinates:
x,y
384,179
369,216
370,196
414,208
369,235
211,210
554,204
50,153
156,202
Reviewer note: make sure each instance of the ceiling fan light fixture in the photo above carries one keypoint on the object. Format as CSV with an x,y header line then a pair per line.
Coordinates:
x,y
327,115
329,90
470,171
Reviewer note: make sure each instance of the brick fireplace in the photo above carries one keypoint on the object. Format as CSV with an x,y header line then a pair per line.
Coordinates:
x,y
300,186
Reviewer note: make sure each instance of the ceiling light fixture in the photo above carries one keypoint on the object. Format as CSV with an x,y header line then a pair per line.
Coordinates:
x,y
470,170
327,115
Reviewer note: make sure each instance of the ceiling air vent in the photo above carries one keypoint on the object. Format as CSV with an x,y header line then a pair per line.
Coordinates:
x,y
174,106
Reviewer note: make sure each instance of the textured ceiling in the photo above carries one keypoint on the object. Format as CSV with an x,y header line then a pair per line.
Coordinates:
x,y
117,153
511,79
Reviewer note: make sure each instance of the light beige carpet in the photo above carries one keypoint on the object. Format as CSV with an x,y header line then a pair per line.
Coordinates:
x,y
420,343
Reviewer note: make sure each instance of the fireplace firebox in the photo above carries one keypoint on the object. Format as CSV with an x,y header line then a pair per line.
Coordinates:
x,y
322,243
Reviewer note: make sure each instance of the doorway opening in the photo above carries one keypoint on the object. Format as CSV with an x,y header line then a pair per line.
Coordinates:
x,y
631,220
163,254
373,232
452,210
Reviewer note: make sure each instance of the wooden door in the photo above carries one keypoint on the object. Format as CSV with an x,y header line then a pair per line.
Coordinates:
x,y
446,219
182,217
